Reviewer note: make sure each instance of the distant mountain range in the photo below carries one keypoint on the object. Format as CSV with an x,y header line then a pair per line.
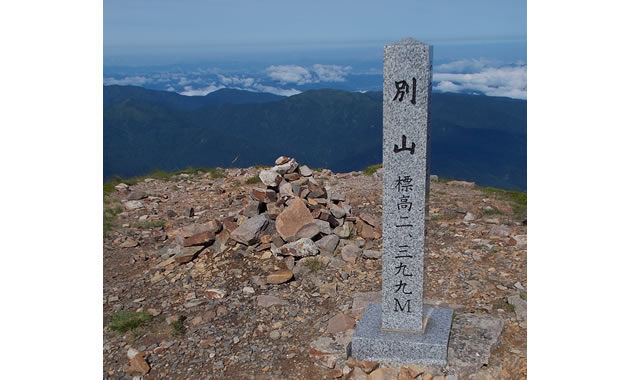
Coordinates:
x,y
476,138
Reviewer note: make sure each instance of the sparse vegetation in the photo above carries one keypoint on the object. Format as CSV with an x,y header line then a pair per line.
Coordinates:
x,y
503,304
177,327
110,186
518,199
318,169
523,296
313,264
109,218
372,169
253,180
492,211
259,166
128,320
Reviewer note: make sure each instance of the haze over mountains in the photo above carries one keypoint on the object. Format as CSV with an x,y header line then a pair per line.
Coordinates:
x,y
473,137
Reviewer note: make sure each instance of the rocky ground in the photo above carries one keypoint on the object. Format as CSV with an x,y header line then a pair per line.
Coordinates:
x,y
240,279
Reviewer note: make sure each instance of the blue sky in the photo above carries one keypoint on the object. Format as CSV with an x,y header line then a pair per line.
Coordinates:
x,y
287,47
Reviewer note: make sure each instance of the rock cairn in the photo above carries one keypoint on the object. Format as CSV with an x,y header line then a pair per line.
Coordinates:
x,y
292,215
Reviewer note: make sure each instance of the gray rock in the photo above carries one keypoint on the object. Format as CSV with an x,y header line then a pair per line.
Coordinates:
x,y
472,338
252,209
286,168
286,189
170,251
500,230
350,253
133,205
121,187
519,286
371,254
337,211
520,307
324,227
305,171
136,195
308,231
336,196
328,243
270,178
300,248
361,300
250,231
266,301
433,177
343,231
469,217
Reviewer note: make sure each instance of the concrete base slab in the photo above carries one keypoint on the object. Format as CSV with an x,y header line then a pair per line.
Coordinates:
x,y
369,342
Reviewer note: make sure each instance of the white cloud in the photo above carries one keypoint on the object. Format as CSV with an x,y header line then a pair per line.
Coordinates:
x,y
331,73
275,90
510,81
126,81
289,74
465,66
246,82
190,91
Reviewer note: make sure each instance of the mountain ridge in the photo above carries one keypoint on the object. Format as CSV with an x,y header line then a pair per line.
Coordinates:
x,y
476,138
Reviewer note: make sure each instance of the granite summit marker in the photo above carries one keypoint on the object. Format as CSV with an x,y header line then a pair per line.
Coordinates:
x,y
401,328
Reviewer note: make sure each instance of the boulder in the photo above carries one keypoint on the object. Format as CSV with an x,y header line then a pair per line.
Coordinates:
x,y
338,212
343,231
266,301
324,227
339,323
250,231
188,254
371,254
308,231
136,195
292,219
282,160
305,171
201,238
137,364
133,205
288,167
270,178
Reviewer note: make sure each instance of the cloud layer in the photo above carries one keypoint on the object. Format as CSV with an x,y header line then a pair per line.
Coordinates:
x,y
301,75
480,77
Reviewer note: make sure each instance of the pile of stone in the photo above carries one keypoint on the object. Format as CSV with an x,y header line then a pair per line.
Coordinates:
x,y
295,215
292,215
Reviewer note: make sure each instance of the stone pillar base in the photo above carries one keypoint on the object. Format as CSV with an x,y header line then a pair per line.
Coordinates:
x,y
369,342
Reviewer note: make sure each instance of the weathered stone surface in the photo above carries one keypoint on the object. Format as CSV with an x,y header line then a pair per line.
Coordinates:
x,y
338,212
520,307
300,248
366,231
371,254
500,230
339,323
316,191
361,300
324,226
384,374
282,160
270,178
122,187
279,277
472,338
305,171
263,195
321,358
250,231
288,167
370,219
292,219
267,300
188,254
469,217
136,195
343,231
337,196
286,189
308,231
252,209
133,205
137,364
201,238
410,372
336,345
292,176
328,243
365,365
129,243
350,253
215,293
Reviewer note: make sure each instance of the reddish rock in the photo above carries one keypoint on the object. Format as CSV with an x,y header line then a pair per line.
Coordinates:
x,y
202,238
188,254
370,219
292,176
282,160
316,191
410,372
339,323
334,374
137,364
292,219
366,231
323,359
263,195
266,301
364,365
279,277
384,374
